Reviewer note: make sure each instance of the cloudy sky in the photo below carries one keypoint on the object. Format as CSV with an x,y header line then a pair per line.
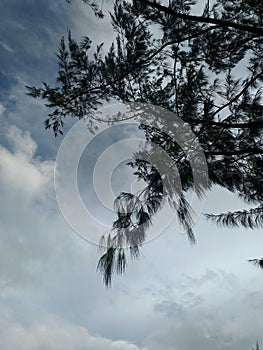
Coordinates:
x,y
176,297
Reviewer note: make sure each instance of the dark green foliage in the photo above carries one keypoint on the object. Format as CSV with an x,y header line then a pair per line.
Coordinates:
x,y
209,76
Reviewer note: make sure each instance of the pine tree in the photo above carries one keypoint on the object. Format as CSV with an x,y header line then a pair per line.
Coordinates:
x,y
191,69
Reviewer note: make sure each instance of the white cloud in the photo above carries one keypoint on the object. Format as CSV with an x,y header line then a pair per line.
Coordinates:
x,y
43,268
19,170
52,333
26,189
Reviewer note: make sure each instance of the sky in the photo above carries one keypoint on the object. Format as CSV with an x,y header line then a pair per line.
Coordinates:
x,y
175,297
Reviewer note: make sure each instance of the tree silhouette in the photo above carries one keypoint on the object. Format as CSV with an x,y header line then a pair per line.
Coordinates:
x,y
207,70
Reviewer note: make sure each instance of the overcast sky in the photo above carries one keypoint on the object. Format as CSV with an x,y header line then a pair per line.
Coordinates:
x,y
176,297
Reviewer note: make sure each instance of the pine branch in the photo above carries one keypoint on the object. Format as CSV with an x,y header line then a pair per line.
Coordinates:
x,y
200,19
93,5
173,42
257,262
228,125
139,65
249,150
236,97
252,218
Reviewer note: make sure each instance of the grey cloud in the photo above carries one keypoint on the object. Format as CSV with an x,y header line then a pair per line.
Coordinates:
x,y
214,317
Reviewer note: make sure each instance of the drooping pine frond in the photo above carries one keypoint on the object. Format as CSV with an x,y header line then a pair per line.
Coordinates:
x,y
106,265
185,218
134,214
